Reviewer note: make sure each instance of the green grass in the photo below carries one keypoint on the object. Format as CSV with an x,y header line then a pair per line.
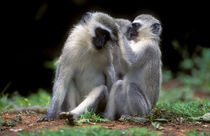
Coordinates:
x,y
95,131
181,111
90,117
195,133
178,104
39,99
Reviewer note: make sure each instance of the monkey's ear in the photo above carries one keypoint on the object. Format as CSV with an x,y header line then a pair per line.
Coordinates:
x,y
86,17
156,28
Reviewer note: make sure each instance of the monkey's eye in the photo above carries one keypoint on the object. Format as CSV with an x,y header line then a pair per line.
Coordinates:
x,y
155,28
136,25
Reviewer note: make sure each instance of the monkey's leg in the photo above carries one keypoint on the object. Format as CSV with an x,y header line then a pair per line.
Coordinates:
x,y
72,98
59,94
91,102
116,101
126,99
137,101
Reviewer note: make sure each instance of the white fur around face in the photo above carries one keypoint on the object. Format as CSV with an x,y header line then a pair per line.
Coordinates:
x,y
93,26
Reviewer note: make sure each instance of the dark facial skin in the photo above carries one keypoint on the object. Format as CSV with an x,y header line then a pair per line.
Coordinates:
x,y
102,36
132,31
155,28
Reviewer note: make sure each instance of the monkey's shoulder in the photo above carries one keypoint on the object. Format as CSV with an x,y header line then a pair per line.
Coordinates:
x,y
153,50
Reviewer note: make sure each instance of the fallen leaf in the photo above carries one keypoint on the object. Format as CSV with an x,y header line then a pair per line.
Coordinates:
x,y
157,126
16,130
161,120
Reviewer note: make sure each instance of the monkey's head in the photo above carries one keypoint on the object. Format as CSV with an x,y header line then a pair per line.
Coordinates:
x,y
144,27
102,29
122,23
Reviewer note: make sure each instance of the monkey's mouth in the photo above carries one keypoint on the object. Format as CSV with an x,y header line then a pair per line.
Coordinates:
x,y
99,42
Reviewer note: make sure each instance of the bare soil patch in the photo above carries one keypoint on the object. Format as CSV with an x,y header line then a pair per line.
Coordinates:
x,y
27,122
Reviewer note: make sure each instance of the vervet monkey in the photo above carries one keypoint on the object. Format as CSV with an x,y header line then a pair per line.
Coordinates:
x,y
85,72
138,92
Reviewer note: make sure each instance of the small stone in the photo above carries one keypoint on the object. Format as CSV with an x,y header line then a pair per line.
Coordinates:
x,y
30,125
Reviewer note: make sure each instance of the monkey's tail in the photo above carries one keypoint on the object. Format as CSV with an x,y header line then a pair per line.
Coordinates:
x,y
37,109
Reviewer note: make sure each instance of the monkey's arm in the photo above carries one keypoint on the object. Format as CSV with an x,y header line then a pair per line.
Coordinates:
x,y
110,76
136,57
127,54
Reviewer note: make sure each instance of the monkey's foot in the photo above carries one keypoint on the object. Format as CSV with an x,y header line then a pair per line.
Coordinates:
x,y
45,119
69,116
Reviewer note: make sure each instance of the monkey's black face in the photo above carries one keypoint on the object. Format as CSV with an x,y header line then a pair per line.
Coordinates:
x,y
101,38
132,31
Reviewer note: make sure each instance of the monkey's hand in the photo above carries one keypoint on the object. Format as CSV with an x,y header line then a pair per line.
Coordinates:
x,y
46,118
71,118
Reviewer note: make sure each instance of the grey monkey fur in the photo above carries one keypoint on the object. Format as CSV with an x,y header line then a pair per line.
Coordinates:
x,y
118,61
85,74
138,92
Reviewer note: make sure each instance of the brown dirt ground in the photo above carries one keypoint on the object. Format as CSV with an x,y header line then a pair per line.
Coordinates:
x,y
29,125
